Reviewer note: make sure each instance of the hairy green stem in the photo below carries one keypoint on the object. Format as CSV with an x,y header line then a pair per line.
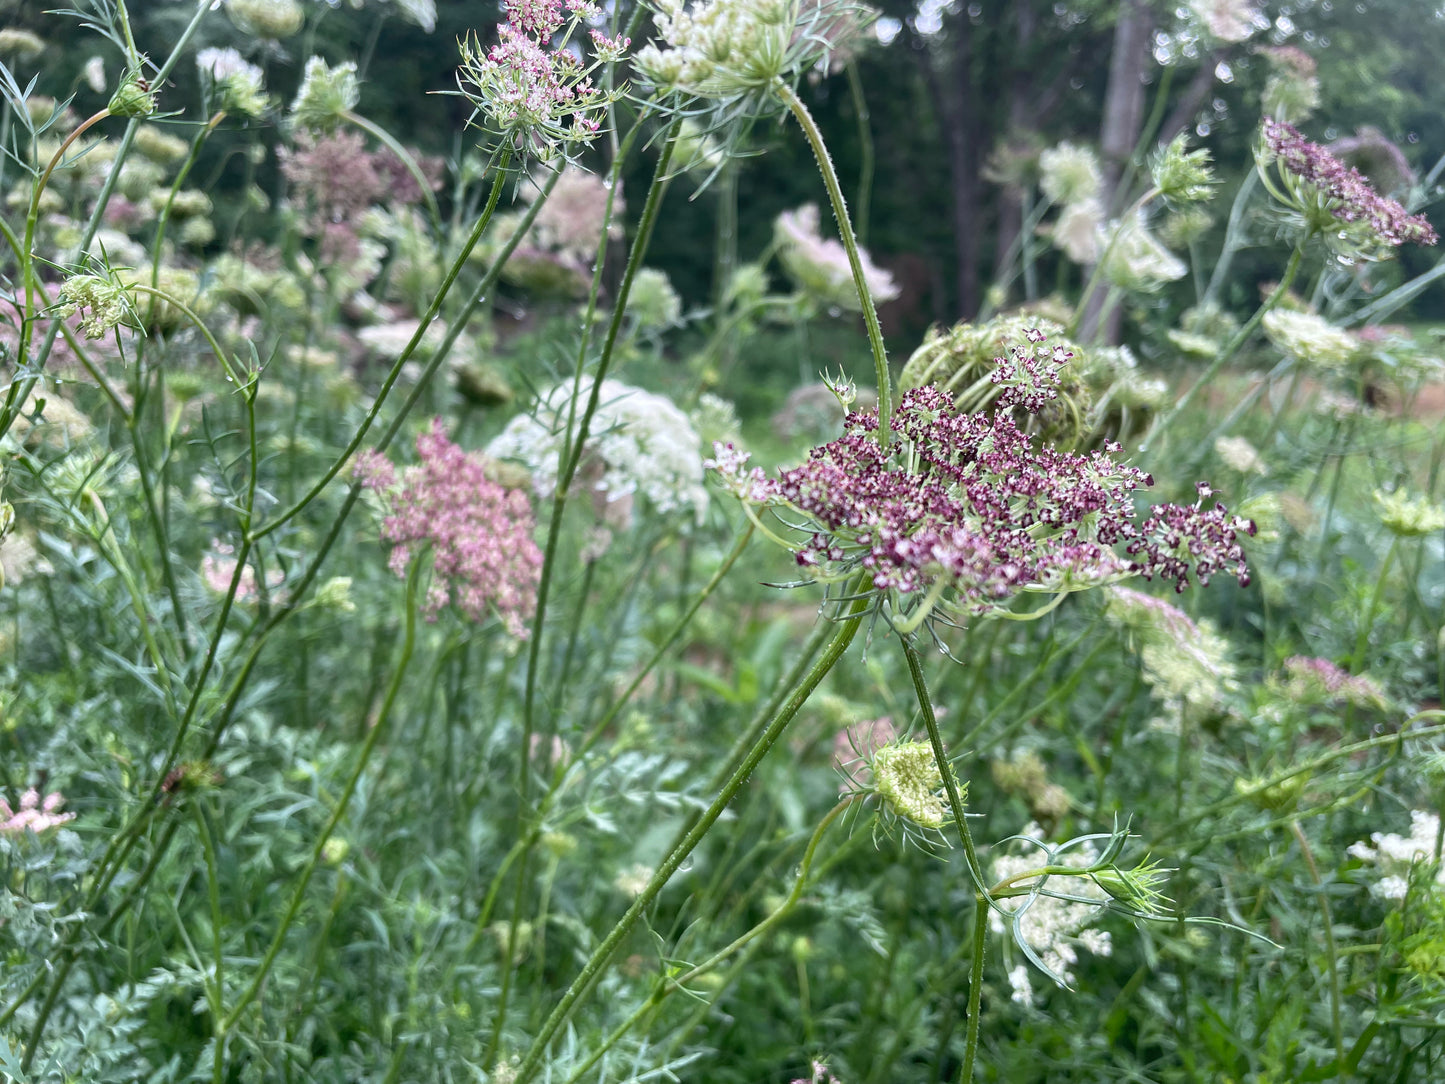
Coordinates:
x,y
975,987
850,243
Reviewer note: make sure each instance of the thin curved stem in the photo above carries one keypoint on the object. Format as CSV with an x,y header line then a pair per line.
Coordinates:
x,y
596,965
1226,352
850,243
343,802
945,767
395,374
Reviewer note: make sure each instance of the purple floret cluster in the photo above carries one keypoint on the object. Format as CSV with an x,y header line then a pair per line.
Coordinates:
x,y
479,534
1352,199
967,508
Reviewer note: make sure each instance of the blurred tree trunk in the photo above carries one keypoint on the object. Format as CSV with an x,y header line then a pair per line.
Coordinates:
x,y
959,118
1119,135
1020,93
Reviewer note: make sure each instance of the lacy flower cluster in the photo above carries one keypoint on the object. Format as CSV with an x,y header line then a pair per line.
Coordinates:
x,y
963,511
1393,855
1331,195
641,445
479,534
34,814
532,88
1050,929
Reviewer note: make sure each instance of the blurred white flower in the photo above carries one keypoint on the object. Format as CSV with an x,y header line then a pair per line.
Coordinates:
x,y
820,265
1310,338
1070,174
640,445
1393,854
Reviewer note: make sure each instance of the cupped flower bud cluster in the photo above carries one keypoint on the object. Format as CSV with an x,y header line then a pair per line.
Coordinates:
x,y
1334,200
963,513
1181,175
236,84
729,49
533,89
327,94
479,534
273,19
819,265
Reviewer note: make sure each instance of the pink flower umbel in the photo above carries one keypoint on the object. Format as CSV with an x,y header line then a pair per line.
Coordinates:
x,y
479,534
962,512
33,815
1336,200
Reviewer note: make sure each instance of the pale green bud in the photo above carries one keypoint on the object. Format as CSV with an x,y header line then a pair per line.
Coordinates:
x,y
1183,176
134,98
326,94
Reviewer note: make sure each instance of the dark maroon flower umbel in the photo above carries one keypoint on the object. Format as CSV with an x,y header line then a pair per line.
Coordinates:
x,y
1344,192
964,512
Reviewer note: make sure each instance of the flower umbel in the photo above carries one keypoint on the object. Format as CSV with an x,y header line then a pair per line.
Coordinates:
x,y
907,777
964,513
480,535
531,88
1335,200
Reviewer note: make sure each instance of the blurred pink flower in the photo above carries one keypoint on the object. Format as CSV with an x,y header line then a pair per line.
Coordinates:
x,y
33,815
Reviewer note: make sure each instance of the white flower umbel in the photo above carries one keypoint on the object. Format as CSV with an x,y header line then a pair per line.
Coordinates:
x,y
1310,339
1049,927
1069,173
1079,231
641,445
1135,260
1393,855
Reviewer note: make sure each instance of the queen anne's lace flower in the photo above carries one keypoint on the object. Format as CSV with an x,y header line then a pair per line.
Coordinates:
x,y
1393,854
1335,200
530,88
641,444
479,534
1311,339
1069,173
963,511
729,49
1183,660
34,815
1052,929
